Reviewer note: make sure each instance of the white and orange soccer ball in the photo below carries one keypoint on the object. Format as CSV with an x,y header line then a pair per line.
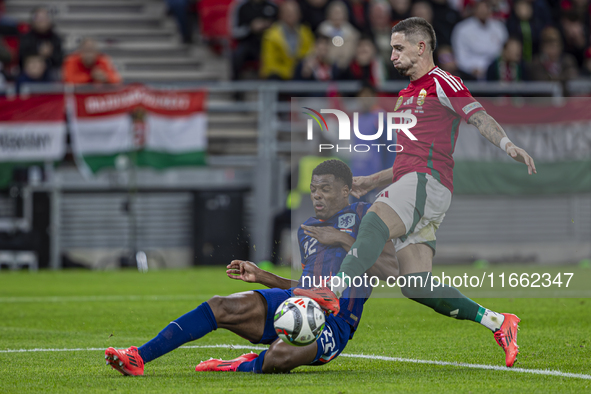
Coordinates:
x,y
299,321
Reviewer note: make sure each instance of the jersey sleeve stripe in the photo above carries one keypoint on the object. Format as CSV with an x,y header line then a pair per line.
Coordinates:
x,y
449,78
450,81
443,99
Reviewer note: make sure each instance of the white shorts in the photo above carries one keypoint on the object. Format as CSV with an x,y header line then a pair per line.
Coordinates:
x,y
421,202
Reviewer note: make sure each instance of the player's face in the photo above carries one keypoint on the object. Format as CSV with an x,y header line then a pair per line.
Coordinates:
x,y
328,195
405,55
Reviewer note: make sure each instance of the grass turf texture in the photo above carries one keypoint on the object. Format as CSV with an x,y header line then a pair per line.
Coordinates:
x,y
82,309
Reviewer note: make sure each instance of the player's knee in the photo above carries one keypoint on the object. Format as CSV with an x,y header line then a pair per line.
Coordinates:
x,y
278,359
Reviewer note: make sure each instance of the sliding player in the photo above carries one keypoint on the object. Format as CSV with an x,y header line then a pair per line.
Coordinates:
x,y
410,209
324,241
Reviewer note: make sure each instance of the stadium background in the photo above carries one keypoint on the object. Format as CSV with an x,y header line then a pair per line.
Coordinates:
x,y
220,189
229,200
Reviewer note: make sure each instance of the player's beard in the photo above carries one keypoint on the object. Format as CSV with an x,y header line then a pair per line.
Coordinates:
x,y
403,70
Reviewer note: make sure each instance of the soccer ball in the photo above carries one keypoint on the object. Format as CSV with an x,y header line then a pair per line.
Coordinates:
x,y
299,321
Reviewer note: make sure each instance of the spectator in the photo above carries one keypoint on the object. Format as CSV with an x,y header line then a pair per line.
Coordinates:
x,y
34,71
5,54
509,66
380,30
524,26
446,60
579,9
422,9
359,13
42,41
251,18
313,12
179,9
469,35
366,66
400,10
285,43
586,71
316,66
343,35
575,35
444,20
88,65
552,64
501,9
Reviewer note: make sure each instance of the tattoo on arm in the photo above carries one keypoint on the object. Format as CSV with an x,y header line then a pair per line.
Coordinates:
x,y
488,127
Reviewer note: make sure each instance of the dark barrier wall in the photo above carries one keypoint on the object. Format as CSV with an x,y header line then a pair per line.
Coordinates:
x,y
219,229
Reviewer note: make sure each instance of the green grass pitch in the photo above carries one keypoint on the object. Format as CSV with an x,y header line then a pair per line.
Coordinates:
x,y
82,310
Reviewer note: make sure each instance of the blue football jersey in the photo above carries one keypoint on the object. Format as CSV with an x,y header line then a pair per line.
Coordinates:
x,y
321,261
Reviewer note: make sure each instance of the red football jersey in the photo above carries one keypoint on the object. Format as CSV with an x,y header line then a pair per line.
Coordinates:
x,y
439,101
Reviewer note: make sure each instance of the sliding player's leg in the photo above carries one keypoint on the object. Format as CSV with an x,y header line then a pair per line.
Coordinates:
x,y
241,313
415,266
282,357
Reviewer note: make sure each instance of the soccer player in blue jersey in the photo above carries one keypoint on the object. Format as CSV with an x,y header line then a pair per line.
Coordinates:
x,y
324,241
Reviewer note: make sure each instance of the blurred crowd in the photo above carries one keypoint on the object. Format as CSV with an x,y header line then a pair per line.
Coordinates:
x,y
323,40
494,40
31,52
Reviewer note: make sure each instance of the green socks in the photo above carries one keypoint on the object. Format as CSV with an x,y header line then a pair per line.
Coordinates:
x,y
443,299
373,235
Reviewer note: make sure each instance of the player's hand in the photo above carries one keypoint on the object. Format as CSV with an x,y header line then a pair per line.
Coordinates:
x,y
361,186
521,156
325,235
243,270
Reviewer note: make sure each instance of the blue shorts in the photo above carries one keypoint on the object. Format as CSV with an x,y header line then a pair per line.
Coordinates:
x,y
331,342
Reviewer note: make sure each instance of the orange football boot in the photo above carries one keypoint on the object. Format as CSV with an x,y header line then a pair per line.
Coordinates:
x,y
323,296
214,364
506,337
127,361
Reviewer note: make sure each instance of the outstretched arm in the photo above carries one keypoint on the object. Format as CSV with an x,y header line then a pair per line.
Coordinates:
x,y
364,184
250,273
493,132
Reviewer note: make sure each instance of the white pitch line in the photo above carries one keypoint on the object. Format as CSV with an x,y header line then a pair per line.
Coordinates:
x,y
547,372
475,366
104,298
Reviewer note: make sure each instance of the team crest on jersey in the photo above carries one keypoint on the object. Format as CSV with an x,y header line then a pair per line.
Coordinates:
x,y
346,221
398,103
422,96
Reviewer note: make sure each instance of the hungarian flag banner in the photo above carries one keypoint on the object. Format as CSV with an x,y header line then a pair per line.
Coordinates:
x,y
558,137
32,129
152,128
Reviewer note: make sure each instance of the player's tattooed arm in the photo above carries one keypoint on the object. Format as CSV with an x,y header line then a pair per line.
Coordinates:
x,y
488,127
492,131
250,273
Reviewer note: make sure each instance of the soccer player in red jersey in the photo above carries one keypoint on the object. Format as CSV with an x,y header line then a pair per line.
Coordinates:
x,y
418,189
